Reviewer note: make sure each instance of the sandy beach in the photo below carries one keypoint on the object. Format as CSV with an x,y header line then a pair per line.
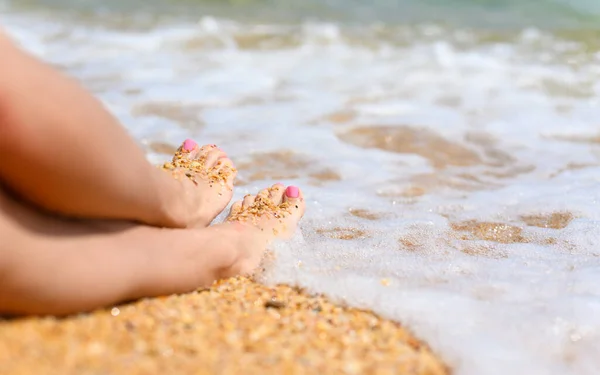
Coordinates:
x,y
448,152
237,326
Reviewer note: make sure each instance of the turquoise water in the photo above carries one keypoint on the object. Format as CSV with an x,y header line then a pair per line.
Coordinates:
x,y
449,151
571,14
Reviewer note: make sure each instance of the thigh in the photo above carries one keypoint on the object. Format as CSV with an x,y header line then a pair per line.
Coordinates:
x,y
20,219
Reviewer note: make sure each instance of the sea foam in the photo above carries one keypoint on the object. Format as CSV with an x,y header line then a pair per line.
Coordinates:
x,y
451,182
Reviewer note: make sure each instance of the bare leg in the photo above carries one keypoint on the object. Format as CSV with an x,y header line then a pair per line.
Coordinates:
x,y
54,266
61,150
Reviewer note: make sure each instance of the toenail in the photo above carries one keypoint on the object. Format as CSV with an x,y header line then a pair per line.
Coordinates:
x,y
189,145
292,192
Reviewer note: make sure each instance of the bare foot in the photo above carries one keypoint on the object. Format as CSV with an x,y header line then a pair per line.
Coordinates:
x,y
272,213
125,261
207,175
275,211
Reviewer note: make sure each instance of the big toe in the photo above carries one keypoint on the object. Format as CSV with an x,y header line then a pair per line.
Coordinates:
x,y
188,150
294,200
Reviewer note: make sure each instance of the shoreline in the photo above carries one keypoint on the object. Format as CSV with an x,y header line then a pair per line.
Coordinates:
x,y
235,326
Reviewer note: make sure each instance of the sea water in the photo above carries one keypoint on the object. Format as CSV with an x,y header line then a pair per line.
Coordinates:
x,y
449,152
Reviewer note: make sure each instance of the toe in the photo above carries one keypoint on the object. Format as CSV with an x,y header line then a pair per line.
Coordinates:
x,y
189,150
294,198
263,194
203,152
213,156
225,170
276,193
235,208
248,201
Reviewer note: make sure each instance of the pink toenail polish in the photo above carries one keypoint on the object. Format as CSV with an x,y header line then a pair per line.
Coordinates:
x,y
189,145
292,192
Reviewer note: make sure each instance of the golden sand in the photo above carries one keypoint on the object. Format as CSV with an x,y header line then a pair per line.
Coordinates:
x,y
235,327
195,168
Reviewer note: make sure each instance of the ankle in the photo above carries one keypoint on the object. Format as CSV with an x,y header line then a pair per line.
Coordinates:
x,y
172,211
246,244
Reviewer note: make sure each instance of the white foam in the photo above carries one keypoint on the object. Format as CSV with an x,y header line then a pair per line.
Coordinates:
x,y
511,309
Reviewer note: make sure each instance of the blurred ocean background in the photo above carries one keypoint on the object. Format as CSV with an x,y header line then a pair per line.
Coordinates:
x,y
449,150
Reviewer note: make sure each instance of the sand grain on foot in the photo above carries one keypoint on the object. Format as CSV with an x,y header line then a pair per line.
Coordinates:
x,y
237,326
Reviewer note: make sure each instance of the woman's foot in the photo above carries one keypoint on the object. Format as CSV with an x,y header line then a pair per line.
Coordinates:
x,y
275,210
53,266
272,214
207,175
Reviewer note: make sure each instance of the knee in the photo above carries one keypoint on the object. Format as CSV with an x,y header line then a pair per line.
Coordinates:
x,y
14,133
9,132
12,129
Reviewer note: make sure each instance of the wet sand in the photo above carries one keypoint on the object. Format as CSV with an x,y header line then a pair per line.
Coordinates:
x,y
235,327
